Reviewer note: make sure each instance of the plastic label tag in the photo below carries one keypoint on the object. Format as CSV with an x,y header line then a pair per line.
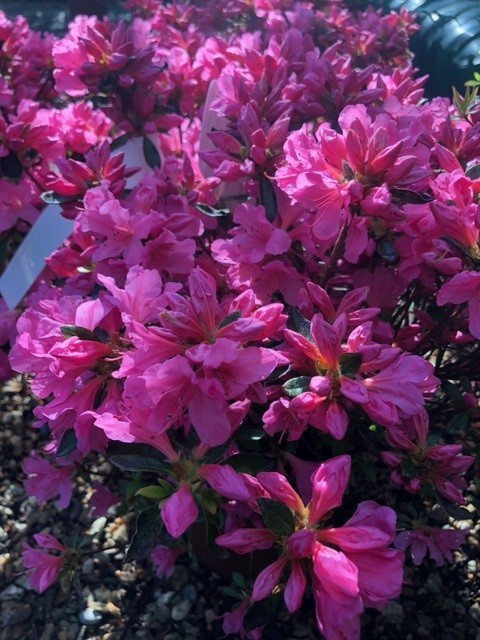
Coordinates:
x,y
213,122
47,234
51,230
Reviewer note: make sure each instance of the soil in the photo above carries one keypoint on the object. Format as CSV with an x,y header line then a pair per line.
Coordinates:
x,y
111,600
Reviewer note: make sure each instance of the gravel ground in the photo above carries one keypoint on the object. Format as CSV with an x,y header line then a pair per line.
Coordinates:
x,y
116,601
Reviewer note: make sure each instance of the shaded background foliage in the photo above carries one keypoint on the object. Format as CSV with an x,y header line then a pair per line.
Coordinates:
x,y
447,47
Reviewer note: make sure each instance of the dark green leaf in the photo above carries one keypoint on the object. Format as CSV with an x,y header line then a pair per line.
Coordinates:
x,y
350,363
473,172
433,438
68,443
50,197
299,323
212,212
239,580
231,593
278,373
100,397
212,533
216,453
409,470
348,172
296,386
263,612
71,331
452,391
466,385
119,142
11,167
150,152
229,319
146,536
459,422
137,457
251,463
454,510
268,199
277,516
407,196
387,251
101,335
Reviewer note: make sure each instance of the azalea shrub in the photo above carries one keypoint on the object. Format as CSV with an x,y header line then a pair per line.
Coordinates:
x,y
266,318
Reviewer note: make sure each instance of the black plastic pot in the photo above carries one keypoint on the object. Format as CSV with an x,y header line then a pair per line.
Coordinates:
x,y
447,47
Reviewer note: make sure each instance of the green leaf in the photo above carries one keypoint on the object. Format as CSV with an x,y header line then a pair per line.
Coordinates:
x,y
150,152
268,199
212,532
295,386
350,363
119,142
231,593
155,492
299,323
132,486
212,212
239,580
277,516
50,197
263,612
235,315
216,453
137,457
455,511
473,172
386,250
68,443
459,422
11,167
251,463
407,196
147,534
72,331
452,391
433,438
409,470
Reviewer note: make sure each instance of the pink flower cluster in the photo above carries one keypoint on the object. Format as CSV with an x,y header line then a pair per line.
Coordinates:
x,y
274,263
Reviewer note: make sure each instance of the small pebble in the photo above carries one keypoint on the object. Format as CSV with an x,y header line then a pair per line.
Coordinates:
x,y
433,583
474,612
12,592
189,592
393,613
90,617
300,630
17,615
181,610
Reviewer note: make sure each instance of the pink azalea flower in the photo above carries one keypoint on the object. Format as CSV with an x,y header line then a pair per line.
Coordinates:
x,y
359,570
438,543
102,499
45,481
464,287
44,568
253,239
179,511
163,559
441,465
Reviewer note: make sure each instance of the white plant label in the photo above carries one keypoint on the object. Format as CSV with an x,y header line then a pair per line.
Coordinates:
x,y
211,121
51,230
47,234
